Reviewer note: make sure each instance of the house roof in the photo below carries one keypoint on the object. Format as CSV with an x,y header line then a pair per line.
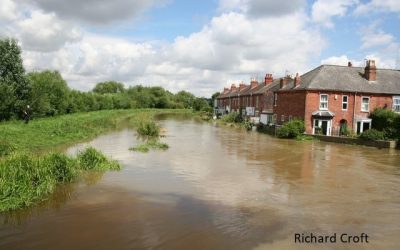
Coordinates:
x,y
272,86
351,79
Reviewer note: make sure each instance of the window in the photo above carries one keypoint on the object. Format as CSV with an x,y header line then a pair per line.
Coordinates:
x,y
282,118
365,104
274,117
345,102
275,99
396,104
290,117
323,102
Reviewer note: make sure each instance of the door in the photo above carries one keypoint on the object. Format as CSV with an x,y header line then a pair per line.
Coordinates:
x,y
324,126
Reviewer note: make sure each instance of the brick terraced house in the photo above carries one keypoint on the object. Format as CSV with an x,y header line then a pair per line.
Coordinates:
x,y
251,100
330,98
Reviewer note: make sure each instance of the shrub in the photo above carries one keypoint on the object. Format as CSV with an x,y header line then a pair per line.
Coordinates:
x,y
150,144
291,129
372,135
63,168
148,128
233,117
91,159
387,121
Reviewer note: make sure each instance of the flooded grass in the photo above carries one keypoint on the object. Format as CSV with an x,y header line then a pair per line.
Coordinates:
x,y
26,179
150,144
148,128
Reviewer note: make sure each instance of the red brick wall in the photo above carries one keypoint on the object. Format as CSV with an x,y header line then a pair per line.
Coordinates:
x,y
290,103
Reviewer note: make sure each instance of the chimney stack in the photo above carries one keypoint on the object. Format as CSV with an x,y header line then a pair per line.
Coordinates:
x,y
253,83
297,80
283,82
233,87
349,64
370,70
268,79
226,90
242,86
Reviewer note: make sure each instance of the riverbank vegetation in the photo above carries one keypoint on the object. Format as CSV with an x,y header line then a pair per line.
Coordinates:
x,y
48,94
26,179
150,144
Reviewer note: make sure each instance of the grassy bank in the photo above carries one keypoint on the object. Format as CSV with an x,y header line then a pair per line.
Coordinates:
x,y
47,133
26,178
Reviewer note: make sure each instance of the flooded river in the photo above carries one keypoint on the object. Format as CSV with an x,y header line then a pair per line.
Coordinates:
x,y
218,188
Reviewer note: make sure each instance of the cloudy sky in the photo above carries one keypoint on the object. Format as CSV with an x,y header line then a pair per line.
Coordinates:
x,y
199,46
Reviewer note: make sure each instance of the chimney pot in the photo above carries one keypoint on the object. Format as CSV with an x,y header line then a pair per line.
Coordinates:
x,y
297,80
349,64
268,79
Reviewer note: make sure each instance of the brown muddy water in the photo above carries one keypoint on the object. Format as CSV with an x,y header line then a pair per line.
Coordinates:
x,y
218,188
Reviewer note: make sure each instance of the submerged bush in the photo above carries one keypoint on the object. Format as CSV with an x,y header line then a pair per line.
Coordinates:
x,y
63,168
148,128
232,117
372,135
91,159
291,129
386,121
150,144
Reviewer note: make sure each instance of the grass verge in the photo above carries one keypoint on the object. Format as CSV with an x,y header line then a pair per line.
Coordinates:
x,y
26,179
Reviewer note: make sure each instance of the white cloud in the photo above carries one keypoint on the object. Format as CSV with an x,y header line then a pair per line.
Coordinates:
x,y
342,60
8,10
262,8
372,37
97,11
324,10
378,5
44,32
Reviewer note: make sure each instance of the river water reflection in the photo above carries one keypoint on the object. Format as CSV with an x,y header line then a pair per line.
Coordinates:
x,y
218,188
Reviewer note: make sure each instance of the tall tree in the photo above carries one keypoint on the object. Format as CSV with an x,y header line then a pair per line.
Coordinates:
x,y
14,86
109,87
50,93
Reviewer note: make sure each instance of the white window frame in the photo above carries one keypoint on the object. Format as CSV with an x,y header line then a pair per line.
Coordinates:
x,y
275,99
345,102
362,103
320,102
282,118
396,103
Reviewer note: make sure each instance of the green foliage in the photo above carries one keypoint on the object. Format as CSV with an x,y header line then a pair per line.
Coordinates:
x,y
91,159
150,144
50,93
233,117
386,121
373,135
201,104
148,128
291,129
14,86
110,87
63,168
185,98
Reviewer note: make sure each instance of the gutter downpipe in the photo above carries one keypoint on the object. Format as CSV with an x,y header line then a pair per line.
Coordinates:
x,y
354,113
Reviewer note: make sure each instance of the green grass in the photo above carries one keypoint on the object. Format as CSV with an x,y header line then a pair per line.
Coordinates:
x,y
148,128
150,144
47,133
26,179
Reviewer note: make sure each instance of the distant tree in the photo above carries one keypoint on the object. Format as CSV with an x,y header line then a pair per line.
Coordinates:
x,y
213,98
186,98
109,87
201,104
50,93
14,86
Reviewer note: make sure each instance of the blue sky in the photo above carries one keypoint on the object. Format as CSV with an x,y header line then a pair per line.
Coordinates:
x,y
199,46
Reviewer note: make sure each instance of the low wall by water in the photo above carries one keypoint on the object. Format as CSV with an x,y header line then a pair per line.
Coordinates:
x,y
356,141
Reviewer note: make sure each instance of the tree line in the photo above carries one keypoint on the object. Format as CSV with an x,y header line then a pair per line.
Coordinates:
x,y
48,94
